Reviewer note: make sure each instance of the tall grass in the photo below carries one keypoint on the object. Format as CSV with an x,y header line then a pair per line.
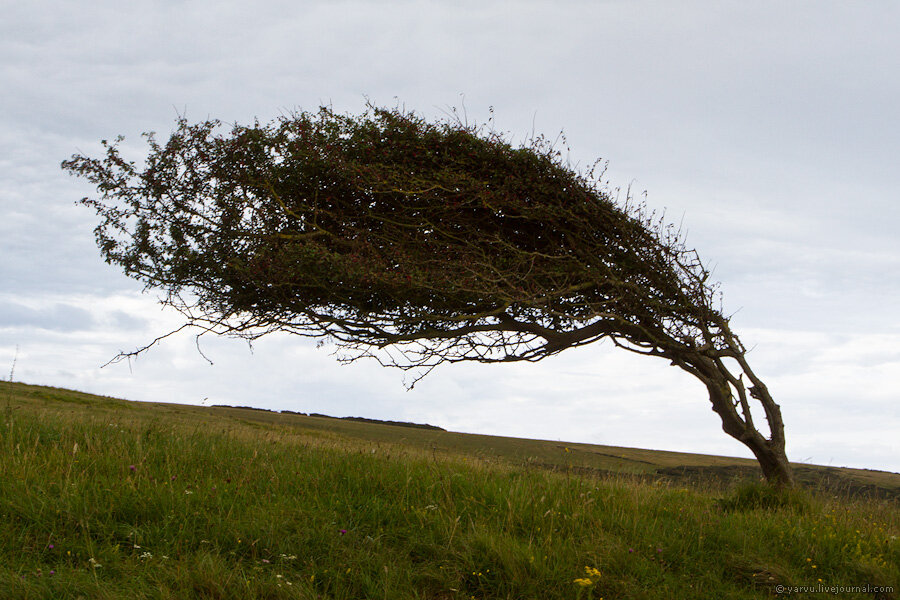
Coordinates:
x,y
123,504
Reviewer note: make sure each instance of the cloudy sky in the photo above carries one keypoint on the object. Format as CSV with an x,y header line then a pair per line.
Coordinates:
x,y
770,128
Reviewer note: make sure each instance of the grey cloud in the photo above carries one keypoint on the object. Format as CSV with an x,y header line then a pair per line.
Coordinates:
x,y
123,321
58,317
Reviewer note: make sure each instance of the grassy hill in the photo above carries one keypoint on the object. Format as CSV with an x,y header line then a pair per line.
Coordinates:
x,y
105,498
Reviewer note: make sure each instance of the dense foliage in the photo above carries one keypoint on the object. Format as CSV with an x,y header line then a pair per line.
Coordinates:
x,y
388,228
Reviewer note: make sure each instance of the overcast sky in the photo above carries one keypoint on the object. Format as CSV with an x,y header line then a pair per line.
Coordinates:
x,y
771,128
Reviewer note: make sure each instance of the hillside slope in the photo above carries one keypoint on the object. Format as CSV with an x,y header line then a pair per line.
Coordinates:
x,y
103,498
554,455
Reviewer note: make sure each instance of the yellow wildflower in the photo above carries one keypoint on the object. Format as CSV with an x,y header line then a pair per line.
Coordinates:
x,y
592,573
592,577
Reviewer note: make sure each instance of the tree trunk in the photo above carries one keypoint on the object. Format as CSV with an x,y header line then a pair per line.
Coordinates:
x,y
729,398
769,452
774,463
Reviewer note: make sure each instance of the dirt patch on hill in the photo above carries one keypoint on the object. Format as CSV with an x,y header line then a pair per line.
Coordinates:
x,y
828,479
840,482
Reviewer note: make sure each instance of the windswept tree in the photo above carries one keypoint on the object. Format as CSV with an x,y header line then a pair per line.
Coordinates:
x,y
418,243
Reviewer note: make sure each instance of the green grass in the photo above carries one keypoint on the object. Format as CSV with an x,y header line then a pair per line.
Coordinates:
x,y
103,498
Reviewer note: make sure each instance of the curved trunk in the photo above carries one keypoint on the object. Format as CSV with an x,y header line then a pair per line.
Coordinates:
x,y
731,400
769,452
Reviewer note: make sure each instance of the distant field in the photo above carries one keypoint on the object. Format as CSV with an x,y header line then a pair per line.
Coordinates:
x,y
515,451
106,498
576,456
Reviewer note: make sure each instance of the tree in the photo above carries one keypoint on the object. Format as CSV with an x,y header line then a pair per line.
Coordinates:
x,y
417,243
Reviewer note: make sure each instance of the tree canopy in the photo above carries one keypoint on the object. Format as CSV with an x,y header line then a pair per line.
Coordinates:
x,y
419,243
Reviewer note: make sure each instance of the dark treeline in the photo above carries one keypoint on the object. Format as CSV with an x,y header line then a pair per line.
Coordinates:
x,y
359,419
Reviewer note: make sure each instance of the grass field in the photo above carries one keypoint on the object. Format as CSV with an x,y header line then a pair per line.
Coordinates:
x,y
105,498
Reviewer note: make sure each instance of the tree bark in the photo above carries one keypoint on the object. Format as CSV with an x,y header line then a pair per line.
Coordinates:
x,y
769,452
728,396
